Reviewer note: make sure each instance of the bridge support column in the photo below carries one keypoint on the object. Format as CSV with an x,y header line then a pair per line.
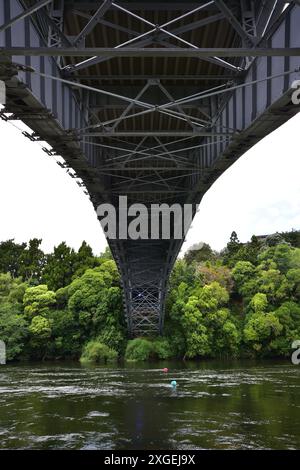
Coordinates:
x,y
145,309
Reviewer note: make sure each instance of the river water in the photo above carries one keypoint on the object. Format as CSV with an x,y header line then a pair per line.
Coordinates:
x,y
240,405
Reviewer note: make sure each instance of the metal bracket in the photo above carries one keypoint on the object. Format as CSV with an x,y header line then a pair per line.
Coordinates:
x,y
31,137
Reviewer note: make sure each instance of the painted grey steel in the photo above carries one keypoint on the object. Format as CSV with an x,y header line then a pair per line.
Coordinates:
x,y
151,52
24,14
155,77
234,22
93,21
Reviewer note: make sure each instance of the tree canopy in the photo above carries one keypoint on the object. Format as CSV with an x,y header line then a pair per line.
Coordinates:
x,y
242,302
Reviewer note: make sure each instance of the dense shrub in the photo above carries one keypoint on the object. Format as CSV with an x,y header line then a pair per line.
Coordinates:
x,y
96,352
139,349
162,349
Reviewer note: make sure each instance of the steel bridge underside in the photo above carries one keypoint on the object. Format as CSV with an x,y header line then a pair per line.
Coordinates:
x,y
149,100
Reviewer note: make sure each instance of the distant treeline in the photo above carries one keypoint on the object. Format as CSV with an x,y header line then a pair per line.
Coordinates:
x,y
241,302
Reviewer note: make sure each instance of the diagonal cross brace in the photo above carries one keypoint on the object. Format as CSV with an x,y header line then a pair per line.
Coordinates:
x,y
130,106
163,32
93,21
234,22
24,14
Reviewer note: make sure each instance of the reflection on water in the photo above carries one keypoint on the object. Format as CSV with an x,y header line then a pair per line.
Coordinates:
x,y
215,406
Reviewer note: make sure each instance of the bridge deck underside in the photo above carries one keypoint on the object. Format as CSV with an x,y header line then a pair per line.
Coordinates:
x,y
154,129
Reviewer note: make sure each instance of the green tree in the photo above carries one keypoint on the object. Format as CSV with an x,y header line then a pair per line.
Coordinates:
x,y
60,267
84,260
95,300
174,329
292,237
245,303
232,249
208,328
13,329
274,239
109,321
65,335
32,262
260,330
288,315
105,256
209,273
199,253
40,334
244,277
10,256
38,301
13,325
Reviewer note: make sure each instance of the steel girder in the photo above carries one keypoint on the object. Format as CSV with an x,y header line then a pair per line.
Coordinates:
x,y
108,156
149,52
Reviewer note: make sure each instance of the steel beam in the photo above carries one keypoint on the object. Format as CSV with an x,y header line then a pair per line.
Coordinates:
x,y
115,26
179,30
143,153
155,77
146,6
93,21
198,24
172,153
249,18
150,52
141,44
150,191
161,28
24,14
265,16
179,108
131,152
163,32
155,133
56,34
147,168
149,107
124,114
234,22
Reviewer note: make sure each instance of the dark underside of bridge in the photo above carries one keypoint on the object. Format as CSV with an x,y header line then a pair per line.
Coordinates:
x,y
158,123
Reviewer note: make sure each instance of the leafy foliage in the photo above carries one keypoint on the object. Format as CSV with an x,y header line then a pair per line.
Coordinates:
x,y
81,301
97,352
244,301
13,329
144,349
139,349
13,325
